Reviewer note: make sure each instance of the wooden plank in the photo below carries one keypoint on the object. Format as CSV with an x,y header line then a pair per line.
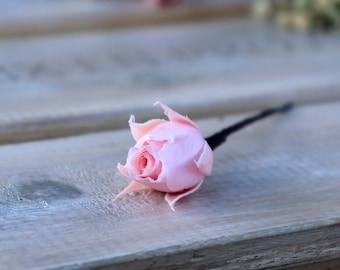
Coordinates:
x,y
328,265
272,201
19,17
81,83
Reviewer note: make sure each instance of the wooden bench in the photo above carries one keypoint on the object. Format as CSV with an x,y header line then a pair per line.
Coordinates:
x,y
272,201
23,18
84,82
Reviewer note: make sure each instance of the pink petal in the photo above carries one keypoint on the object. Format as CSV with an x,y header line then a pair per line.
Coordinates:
x,y
178,158
205,161
175,116
172,198
123,170
134,186
138,130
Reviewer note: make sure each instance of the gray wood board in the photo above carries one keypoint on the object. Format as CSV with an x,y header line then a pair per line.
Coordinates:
x,y
66,85
271,201
38,17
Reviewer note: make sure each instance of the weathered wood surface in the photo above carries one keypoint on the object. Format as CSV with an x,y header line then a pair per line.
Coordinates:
x,y
72,84
20,17
272,202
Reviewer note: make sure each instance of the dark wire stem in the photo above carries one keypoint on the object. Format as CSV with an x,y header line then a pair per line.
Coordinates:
x,y
220,137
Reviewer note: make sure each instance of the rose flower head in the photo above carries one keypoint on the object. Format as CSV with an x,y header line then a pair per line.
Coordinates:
x,y
169,156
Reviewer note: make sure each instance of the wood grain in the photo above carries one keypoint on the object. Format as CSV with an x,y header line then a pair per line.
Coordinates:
x,y
23,18
271,202
71,84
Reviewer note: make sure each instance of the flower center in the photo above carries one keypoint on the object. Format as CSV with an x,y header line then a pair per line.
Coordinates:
x,y
143,163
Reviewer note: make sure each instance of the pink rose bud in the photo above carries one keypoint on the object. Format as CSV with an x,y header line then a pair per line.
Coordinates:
x,y
169,156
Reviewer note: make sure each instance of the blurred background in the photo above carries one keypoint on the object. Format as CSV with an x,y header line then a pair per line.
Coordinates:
x,y
71,67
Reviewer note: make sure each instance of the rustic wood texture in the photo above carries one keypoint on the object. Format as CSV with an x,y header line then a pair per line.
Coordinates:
x,y
64,85
39,17
327,265
271,202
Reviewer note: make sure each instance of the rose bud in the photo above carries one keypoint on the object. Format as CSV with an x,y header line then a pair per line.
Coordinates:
x,y
173,157
169,156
